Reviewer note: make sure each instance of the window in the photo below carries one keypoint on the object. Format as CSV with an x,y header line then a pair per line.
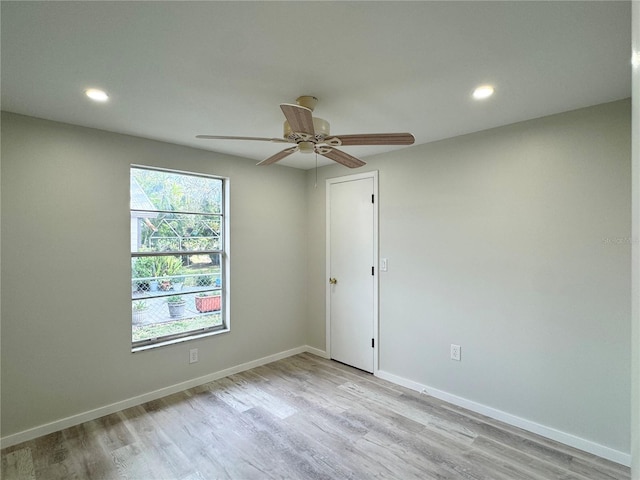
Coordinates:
x,y
179,262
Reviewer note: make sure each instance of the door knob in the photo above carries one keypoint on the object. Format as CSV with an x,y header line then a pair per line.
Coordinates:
x,y
333,281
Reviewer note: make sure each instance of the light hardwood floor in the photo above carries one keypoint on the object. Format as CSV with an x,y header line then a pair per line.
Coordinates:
x,y
300,418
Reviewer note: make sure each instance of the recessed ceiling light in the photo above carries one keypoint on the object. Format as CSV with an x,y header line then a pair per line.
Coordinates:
x,y
482,92
97,95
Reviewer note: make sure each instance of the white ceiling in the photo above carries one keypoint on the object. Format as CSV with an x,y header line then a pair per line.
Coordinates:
x,y
177,69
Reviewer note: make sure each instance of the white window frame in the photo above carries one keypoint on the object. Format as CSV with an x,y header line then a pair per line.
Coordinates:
x,y
223,252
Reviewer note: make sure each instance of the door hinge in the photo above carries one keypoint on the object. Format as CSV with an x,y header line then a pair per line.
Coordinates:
x,y
372,343
372,197
372,271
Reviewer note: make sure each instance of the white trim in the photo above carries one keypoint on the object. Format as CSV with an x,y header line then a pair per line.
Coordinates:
x,y
327,269
317,352
542,430
67,422
225,255
376,278
548,432
635,245
376,260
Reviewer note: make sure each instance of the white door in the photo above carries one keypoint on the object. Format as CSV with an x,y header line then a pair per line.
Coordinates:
x,y
351,221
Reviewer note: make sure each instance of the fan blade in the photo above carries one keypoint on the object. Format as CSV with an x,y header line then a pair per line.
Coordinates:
x,y
225,137
340,157
278,156
299,118
371,139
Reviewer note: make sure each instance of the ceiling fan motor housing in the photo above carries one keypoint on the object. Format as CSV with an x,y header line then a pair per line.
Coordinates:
x,y
321,130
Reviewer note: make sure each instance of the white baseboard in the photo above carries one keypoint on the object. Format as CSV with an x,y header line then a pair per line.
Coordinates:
x,y
542,430
77,419
317,352
548,432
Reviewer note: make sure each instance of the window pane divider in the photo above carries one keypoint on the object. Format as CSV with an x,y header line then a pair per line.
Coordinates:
x,y
179,212
169,253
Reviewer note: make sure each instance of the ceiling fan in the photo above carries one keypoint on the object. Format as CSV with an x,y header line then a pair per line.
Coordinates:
x,y
311,134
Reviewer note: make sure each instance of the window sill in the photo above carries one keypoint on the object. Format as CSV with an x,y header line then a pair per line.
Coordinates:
x,y
142,348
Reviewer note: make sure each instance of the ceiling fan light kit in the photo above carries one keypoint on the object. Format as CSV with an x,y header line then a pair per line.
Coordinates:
x,y
312,134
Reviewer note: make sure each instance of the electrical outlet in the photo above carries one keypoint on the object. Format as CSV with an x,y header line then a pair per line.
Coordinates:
x,y
456,352
193,355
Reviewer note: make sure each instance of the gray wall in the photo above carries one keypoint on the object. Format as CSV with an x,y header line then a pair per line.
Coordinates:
x,y
513,243
66,334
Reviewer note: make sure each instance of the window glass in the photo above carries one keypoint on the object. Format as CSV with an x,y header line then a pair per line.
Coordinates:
x,y
178,258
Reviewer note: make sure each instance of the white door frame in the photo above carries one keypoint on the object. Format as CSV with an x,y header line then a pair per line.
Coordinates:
x,y
358,176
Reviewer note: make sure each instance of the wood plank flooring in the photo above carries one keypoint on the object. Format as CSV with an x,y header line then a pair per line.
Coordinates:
x,y
300,418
